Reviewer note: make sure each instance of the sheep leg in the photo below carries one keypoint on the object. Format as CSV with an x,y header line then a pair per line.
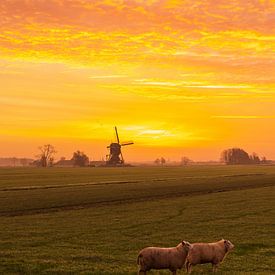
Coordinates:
x,y
189,269
142,272
214,267
174,272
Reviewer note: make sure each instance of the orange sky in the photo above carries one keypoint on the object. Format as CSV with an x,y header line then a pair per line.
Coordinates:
x,y
176,77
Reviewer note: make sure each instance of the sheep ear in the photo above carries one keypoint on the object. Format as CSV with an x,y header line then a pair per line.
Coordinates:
x,y
183,242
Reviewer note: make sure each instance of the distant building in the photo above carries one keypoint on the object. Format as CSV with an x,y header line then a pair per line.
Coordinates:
x,y
64,163
15,162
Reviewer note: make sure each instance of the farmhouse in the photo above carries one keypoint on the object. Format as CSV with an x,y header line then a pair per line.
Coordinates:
x,y
64,163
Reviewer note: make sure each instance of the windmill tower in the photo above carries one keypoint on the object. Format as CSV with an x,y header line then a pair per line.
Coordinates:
x,y
115,156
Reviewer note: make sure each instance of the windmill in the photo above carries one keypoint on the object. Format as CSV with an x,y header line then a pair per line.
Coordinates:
x,y
115,156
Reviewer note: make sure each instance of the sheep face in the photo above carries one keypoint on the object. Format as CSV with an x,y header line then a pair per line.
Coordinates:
x,y
228,245
186,245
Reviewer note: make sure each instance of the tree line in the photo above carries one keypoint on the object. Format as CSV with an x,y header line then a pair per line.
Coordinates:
x,y
45,158
240,156
233,156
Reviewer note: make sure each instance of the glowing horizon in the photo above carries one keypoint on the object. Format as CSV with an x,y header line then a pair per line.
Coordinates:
x,y
179,78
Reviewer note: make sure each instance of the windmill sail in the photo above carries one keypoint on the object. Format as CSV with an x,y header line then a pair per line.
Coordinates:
x,y
117,138
127,143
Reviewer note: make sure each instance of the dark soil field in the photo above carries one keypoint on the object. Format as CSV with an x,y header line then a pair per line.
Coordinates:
x,y
95,220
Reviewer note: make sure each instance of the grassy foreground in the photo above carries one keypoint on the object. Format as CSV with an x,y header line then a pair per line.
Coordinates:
x,y
94,221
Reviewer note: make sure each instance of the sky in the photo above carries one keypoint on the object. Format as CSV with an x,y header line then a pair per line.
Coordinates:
x,y
179,78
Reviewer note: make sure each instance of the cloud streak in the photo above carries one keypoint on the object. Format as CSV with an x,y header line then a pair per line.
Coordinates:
x,y
107,76
244,117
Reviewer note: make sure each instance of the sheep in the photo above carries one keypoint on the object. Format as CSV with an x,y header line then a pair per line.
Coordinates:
x,y
171,258
201,253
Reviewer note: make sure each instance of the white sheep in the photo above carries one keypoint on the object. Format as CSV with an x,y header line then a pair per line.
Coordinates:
x,y
201,253
171,258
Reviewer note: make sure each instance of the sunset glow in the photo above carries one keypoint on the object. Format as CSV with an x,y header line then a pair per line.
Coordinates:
x,y
176,77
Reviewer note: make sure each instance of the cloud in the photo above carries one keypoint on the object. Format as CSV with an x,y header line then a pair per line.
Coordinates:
x,y
155,83
219,86
244,117
189,84
107,76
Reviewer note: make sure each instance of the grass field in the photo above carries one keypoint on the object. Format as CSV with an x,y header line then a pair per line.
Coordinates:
x,y
95,220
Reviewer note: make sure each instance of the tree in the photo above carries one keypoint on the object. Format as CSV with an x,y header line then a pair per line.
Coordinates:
x,y
239,156
80,159
185,161
235,156
157,161
162,160
255,159
46,156
264,160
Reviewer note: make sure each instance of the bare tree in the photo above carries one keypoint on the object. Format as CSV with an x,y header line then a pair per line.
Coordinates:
x,y
255,158
46,156
157,161
162,160
185,160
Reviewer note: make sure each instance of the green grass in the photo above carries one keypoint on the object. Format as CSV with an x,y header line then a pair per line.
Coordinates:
x,y
94,221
